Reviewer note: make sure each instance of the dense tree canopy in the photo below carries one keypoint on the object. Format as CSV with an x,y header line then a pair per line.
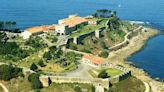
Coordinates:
x,y
8,71
35,42
11,49
9,26
103,13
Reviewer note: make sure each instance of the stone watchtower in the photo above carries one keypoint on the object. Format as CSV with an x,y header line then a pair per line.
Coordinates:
x,y
45,80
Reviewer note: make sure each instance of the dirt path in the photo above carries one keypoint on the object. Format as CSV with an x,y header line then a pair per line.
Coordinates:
x,y
136,43
4,87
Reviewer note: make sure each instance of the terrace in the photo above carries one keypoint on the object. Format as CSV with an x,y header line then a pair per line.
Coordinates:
x,y
89,28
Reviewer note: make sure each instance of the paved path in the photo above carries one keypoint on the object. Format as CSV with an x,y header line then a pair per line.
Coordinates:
x,y
48,42
4,87
81,71
125,38
79,52
147,87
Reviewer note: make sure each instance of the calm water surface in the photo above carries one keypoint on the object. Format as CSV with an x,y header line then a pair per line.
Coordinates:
x,y
29,13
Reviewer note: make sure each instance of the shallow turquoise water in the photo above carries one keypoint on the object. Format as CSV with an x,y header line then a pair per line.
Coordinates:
x,y
29,13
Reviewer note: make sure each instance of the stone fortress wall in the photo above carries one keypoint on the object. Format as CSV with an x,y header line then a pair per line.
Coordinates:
x,y
77,40
47,80
126,73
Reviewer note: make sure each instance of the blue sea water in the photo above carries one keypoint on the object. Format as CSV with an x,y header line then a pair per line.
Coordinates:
x,y
152,57
29,13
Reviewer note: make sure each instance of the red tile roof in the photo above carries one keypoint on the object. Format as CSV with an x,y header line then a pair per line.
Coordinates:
x,y
41,28
73,21
93,59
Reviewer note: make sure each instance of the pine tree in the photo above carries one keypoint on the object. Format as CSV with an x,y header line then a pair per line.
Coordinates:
x,y
33,67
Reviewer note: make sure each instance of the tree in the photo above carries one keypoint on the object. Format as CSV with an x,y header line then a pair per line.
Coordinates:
x,y
47,55
55,39
102,44
8,71
103,74
103,13
1,25
34,79
71,56
104,54
33,67
53,49
41,63
77,88
73,46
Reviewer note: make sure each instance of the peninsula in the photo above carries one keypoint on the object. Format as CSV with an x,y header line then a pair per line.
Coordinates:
x,y
79,54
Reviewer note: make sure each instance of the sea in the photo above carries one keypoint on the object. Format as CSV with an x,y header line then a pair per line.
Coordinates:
x,y
28,13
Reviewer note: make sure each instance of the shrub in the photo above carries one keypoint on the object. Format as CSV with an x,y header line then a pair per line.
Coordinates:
x,y
73,46
104,54
71,56
33,67
103,74
55,39
34,80
47,55
40,63
77,89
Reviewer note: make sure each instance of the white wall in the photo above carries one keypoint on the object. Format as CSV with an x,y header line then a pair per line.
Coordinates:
x,y
26,34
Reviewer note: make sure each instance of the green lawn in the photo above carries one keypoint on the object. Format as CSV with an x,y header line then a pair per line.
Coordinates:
x,y
88,28
130,84
113,72
68,87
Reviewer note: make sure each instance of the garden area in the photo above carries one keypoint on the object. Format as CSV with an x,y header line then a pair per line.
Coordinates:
x,y
16,50
10,51
51,37
56,60
51,59
89,28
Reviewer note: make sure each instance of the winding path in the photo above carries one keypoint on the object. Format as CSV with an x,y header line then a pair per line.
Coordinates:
x,y
125,38
147,87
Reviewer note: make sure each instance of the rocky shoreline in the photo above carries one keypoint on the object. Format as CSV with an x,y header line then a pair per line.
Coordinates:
x,y
136,44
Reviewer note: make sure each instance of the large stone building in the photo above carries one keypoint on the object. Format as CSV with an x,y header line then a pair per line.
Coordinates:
x,y
92,60
36,30
72,23
64,26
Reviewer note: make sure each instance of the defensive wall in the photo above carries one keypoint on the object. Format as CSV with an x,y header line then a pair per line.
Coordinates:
x,y
47,80
78,40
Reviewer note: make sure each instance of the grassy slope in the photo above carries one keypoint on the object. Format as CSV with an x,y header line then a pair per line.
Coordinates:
x,y
88,29
1,90
130,84
19,85
67,87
